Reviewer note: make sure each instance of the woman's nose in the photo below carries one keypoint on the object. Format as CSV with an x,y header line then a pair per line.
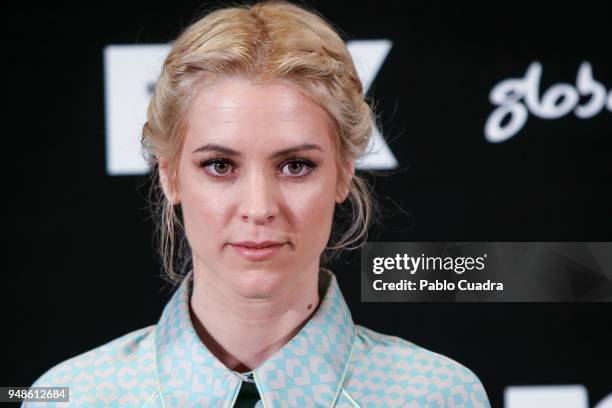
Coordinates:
x,y
259,199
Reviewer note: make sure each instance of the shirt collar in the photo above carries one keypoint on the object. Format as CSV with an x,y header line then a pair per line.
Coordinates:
x,y
307,371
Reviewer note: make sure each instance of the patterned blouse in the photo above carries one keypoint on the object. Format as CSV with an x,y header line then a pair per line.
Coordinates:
x,y
331,362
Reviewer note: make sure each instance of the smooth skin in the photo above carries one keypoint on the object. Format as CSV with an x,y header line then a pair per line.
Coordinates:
x,y
243,310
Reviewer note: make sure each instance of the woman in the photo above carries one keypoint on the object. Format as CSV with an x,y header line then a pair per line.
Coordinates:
x,y
253,129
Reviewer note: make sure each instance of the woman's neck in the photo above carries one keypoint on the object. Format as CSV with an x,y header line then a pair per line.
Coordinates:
x,y
243,332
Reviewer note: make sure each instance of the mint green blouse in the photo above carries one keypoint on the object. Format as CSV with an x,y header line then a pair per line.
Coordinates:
x,y
331,362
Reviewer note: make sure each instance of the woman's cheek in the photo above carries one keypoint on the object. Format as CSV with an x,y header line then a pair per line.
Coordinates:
x,y
201,215
317,217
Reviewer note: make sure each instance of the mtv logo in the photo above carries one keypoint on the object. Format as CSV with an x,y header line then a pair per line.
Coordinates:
x,y
130,72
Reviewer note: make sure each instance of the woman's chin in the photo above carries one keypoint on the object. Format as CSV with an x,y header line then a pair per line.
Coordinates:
x,y
258,283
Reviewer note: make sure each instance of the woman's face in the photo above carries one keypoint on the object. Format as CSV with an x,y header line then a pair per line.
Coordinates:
x,y
257,164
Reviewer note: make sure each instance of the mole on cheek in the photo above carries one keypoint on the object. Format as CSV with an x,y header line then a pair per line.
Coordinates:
x,y
310,306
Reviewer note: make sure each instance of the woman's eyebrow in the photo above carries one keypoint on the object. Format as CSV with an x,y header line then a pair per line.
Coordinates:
x,y
211,147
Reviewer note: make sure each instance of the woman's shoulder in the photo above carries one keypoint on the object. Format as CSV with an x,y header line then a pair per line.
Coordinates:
x,y
125,363
385,368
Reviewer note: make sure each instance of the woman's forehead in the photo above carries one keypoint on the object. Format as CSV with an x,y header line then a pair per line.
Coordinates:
x,y
255,114
231,98
234,107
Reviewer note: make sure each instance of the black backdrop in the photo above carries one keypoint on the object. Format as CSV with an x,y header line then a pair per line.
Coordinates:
x,y
80,268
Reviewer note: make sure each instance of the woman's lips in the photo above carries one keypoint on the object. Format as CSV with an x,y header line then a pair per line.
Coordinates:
x,y
257,254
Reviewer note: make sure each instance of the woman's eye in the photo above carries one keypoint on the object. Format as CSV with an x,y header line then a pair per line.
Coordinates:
x,y
217,167
296,167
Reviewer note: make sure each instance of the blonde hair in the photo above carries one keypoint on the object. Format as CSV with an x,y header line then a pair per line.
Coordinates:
x,y
265,41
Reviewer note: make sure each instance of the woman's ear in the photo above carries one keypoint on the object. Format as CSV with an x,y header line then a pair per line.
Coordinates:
x,y
344,188
164,178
